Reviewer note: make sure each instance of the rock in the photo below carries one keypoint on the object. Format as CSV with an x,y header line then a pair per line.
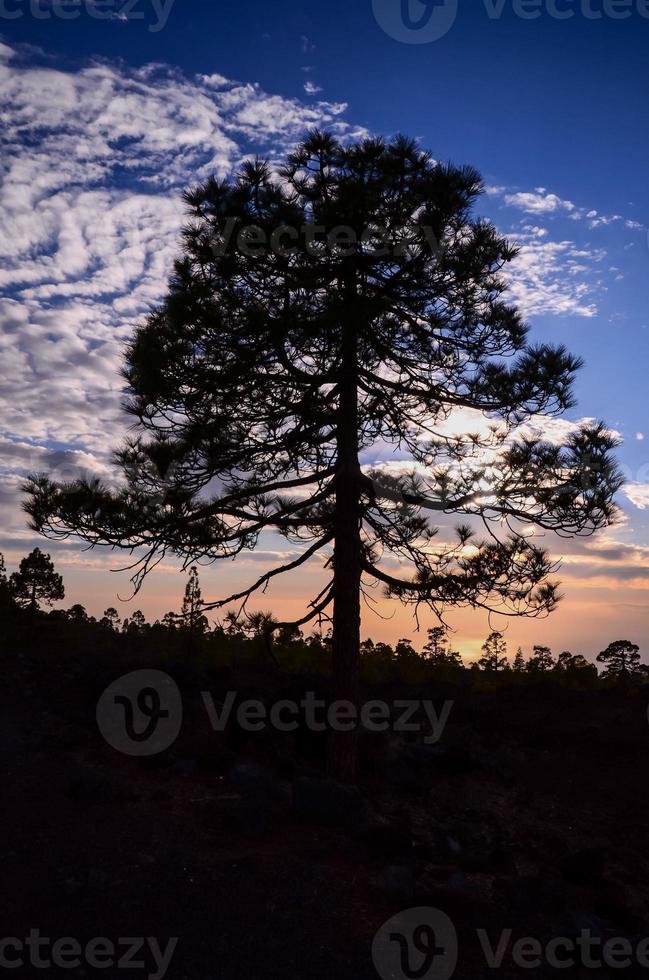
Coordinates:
x,y
88,787
397,884
535,895
98,879
423,849
461,897
440,872
185,767
72,887
454,761
572,924
146,859
213,757
326,803
382,839
255,822
484,861
584,867
163,760
71,736
161,795
254,782
247,776
524,892
465,887
458,761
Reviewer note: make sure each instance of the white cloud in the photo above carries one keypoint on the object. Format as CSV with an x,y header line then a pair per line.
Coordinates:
x,y
638,494
538,202
311,88
554,277
557,430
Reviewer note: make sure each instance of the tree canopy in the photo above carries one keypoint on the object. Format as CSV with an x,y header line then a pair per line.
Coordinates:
x,y
622,659
494,653
36,581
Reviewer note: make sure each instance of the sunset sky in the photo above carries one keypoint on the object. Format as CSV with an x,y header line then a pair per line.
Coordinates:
x,y
105,119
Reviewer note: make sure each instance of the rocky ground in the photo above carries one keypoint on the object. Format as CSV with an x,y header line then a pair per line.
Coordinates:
x,y
530,815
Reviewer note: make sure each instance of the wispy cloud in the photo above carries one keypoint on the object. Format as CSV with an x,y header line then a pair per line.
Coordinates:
x,y
554,277
539,201
638,494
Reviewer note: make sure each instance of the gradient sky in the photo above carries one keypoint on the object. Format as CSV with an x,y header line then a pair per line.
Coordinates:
x,y
104,121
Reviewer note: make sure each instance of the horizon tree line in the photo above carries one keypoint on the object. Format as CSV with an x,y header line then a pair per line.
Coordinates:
x,y
37,583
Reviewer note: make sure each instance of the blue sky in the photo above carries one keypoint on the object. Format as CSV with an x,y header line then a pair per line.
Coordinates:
x,y
98,145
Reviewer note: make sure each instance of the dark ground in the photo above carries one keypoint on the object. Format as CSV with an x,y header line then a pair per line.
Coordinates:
x,y
531,814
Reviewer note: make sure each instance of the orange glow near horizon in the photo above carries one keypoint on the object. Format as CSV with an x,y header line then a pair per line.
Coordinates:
x,y
595,611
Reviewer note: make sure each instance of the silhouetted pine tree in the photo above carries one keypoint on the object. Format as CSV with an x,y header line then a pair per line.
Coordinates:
x,y
541,660
622,659
519,661
438,651
194,622
5,594
437,645
36,582
494,653
288,346
110,619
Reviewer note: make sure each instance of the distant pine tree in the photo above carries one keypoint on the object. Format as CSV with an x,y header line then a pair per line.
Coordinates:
x,y
36,582
519,661
170,621
437,645
405,650
622,659
541,660
193,621
494,654
5,593
438,650
136,624
110,619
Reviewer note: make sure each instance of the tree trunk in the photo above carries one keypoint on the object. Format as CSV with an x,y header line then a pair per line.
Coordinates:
x,y
341,761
